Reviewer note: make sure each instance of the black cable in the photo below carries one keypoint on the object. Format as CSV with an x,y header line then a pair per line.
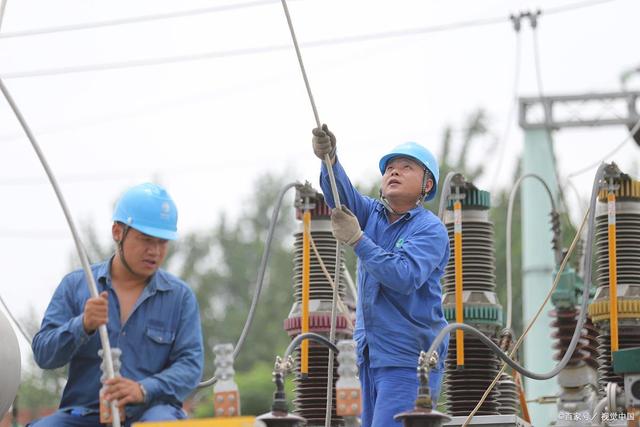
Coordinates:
x,y
312,336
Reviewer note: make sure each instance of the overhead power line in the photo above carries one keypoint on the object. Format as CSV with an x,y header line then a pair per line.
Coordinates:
x,y
617,148
134,19
282,47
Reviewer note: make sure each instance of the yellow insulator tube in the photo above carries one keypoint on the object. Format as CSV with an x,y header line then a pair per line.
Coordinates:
x,y
457,249
306,272
613,276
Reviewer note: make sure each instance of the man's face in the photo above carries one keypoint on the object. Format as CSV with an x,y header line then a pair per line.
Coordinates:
x,y
144,253
402,180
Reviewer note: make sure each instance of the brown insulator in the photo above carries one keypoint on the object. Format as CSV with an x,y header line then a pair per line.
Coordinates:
x,y
564,326
465,387
508,399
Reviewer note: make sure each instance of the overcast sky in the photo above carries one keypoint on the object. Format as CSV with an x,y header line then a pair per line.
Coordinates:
x,y
208,128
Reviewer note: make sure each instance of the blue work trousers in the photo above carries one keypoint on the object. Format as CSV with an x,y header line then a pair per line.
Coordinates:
x,y
389,391
69,419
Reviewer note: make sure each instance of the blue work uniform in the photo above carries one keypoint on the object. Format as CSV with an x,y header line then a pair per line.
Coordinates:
x,y
399,310
161,344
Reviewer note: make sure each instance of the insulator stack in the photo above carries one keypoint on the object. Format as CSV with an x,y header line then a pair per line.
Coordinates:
x,y
311,392
564,324
465,386
628,336
627,236
509,402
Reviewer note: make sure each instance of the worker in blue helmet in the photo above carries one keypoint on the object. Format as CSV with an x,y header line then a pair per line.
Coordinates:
x,y
402,251
151,316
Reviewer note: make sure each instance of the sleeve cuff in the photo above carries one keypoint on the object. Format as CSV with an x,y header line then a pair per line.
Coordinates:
x,y
152,387
363,247
77,329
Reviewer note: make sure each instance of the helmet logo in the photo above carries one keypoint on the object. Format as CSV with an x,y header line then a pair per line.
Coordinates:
x,y
165,210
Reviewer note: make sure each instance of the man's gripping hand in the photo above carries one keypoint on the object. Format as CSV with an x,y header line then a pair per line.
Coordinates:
x,y
324,142
124,390
96,312
345,226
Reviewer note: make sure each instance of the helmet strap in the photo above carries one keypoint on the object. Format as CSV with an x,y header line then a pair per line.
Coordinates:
x,y
388,207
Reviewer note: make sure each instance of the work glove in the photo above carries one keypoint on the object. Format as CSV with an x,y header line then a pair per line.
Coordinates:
x,y
324,142
345,226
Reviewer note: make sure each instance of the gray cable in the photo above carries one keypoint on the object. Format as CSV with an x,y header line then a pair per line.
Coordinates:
x,y
444,194
312,336
512,197
583,307
3,5
260,280
133,20
15,322
632,132
93,290
336,200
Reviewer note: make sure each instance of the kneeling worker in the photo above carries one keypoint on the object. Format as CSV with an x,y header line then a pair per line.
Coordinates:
x,y
151,315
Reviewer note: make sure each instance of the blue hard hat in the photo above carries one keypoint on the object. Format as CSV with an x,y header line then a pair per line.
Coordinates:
x,y
421,155
149,209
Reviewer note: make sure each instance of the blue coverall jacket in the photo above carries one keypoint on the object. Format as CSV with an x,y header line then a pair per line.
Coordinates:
x,y
399,310
161,341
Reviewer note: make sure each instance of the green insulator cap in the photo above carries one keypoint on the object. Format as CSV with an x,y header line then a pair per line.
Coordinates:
x,y
491,314
474,199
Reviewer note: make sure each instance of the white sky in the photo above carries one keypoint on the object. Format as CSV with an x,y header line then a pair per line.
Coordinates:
x,y
209,128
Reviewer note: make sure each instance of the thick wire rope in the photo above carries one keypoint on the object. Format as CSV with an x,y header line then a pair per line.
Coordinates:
x,y
24,335
512,198
531,323
512,109
274,48
336,200
583,307
629,136
93,290
3,6
259,281
134,19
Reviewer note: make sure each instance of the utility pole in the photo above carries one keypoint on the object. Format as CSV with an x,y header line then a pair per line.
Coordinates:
x,y
539,117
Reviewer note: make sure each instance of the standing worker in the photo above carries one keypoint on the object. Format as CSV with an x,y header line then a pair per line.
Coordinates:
x,y
151,315
402,251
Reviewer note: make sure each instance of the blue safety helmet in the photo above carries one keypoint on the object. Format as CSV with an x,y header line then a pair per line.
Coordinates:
x,y
421,155
149,209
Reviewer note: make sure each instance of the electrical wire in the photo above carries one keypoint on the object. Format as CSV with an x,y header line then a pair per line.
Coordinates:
x,y
512,198
336,200
259,281
308,336
444,194
408,32
93,290
3,6
590,214
512,109
629,136
23,334
134,19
